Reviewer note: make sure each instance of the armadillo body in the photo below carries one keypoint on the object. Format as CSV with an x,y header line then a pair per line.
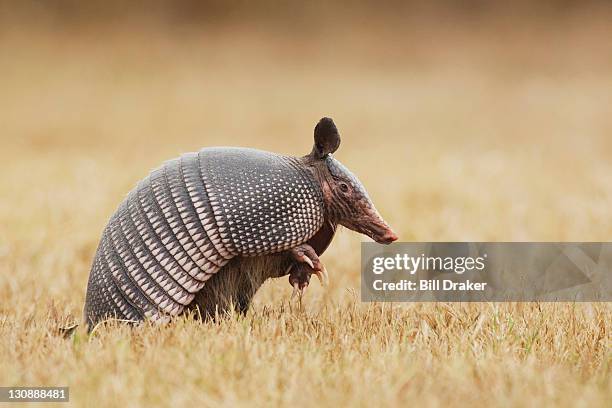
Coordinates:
x,y
189,219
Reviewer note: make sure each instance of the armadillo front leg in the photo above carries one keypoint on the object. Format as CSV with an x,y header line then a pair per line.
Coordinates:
x,y
308,264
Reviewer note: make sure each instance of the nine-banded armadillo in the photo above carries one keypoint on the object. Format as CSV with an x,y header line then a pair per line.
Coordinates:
x,y
207,229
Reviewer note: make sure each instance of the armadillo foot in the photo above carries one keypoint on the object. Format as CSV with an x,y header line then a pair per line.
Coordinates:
x,y
309,264
299,276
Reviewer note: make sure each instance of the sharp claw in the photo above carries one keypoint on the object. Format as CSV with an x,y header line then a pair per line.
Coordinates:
x,y
289,269
319,275
324,275
296,289
308,261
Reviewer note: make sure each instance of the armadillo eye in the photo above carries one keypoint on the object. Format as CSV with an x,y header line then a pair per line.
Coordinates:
x,y
344,187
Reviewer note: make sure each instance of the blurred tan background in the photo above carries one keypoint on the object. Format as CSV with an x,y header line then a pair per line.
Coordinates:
x,y
476,122
465,120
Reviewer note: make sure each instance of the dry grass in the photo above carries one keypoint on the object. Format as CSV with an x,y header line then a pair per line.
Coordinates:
x,y
455,136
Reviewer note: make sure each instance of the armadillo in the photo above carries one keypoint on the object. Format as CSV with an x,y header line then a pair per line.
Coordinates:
x,y
205,230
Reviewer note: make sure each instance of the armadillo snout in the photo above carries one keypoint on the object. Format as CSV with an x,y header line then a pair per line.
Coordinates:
x,y
370,223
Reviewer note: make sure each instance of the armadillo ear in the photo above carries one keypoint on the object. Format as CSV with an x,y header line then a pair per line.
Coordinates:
x,y
326,138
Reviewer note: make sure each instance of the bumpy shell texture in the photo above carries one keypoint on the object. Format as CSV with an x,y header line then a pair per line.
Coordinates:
x,y
188,219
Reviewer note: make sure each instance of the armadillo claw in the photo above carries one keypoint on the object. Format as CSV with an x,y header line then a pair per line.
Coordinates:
x,y
322,275
297,291
306,254
308,261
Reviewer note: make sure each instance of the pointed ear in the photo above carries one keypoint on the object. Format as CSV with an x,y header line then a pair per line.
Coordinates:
x,y
326,138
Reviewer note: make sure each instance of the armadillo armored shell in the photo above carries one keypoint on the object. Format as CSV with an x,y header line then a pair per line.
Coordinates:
x,y
187,219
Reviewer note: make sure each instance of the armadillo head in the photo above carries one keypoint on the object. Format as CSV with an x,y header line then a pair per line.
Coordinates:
x,y
346,199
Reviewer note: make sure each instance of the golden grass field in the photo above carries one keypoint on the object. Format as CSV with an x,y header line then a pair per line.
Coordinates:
x,y
475,132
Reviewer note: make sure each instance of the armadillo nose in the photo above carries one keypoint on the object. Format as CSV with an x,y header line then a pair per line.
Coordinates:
x,y
388,237
384,235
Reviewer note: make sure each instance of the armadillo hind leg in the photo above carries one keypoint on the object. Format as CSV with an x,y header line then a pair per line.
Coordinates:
x,y
234,287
